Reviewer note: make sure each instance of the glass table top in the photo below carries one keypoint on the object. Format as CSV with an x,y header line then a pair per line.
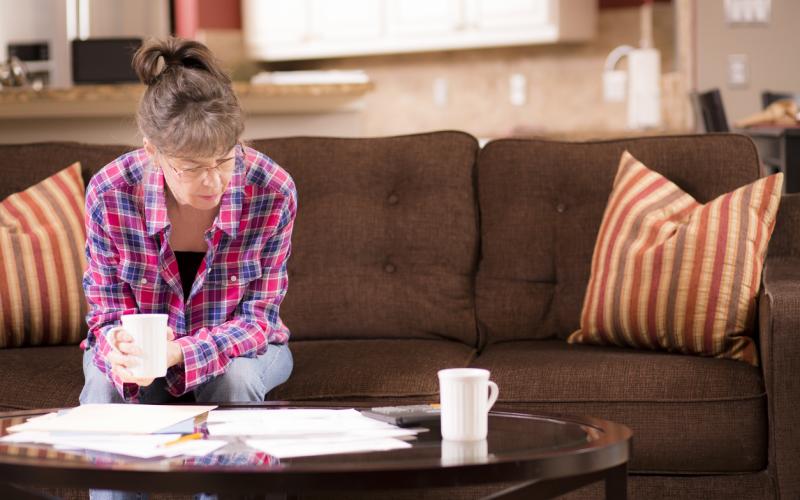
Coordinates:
x,y
512,437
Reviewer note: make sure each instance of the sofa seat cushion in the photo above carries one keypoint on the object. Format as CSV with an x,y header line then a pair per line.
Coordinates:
x,y
688,414
366,369
40,377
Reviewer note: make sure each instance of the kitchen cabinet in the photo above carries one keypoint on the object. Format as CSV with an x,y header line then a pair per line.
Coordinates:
x,y
344,20
414,18
494,15
285,24
313,29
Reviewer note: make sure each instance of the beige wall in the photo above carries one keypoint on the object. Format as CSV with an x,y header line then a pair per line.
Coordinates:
x,y
564,84
770,49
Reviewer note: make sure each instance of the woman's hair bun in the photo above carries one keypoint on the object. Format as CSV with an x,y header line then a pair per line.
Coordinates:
x,y
176,52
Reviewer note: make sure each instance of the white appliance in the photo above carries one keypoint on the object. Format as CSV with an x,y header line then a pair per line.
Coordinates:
x,y
642,80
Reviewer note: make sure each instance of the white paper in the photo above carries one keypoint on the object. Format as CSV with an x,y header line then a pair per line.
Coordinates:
x,y
27,437
284,448
278,413
302,423
132,445
140,447
113,419
197,448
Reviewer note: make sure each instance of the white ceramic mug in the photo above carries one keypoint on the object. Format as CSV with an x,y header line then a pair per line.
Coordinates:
x,y
466,395
149,332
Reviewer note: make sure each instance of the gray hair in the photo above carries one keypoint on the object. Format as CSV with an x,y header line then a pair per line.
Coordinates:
x,y
189,108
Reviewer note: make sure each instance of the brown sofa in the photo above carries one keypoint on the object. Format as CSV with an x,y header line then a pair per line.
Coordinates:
x,y
420,252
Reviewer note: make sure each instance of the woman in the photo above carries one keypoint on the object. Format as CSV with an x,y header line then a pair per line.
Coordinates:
x,y
194,225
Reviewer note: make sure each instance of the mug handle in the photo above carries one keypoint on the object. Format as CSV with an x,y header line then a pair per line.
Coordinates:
x,y
494,392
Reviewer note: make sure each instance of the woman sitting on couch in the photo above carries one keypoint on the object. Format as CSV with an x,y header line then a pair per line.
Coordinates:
x,y
196,226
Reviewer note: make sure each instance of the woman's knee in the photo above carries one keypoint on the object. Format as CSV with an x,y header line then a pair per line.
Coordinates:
x,y
279,368
239,383
97,388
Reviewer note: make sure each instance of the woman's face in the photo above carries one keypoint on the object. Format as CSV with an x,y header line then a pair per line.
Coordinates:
x,y
197,182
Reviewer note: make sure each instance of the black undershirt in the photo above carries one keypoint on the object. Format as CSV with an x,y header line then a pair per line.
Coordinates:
x,y
188,264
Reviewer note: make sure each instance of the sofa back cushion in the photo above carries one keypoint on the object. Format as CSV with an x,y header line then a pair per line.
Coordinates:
x,y
385,243
541,204
23,165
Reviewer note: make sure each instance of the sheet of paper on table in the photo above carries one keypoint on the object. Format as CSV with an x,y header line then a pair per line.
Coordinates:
x,y
300,423
112,419
131,445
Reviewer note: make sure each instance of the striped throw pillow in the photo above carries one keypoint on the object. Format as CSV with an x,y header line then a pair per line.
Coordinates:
x,y
42,238
669,273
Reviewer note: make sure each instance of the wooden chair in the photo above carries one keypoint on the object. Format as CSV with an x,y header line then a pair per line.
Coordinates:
x,y
710,111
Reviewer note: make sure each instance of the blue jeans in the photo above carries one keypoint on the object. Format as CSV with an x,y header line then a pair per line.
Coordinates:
x,y
244,380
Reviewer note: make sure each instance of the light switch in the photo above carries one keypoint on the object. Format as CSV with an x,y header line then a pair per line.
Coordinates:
x,y
748,11
737,70
440,90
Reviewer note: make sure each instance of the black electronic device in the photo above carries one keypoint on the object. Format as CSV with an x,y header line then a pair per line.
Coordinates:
x,y
407,415
104,60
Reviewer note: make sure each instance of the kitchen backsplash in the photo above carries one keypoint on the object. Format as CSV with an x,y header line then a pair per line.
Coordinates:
x,y
470,90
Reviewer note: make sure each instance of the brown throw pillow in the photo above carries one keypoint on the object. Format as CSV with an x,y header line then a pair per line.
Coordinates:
x,y
42,239
671,274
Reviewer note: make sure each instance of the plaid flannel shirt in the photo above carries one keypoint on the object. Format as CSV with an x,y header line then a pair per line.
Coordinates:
x,y
233,306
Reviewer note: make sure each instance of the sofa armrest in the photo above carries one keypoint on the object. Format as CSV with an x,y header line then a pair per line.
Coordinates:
x,y
785,240
779,330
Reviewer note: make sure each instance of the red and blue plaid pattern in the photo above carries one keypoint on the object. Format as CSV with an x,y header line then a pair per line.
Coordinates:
x,y
233,306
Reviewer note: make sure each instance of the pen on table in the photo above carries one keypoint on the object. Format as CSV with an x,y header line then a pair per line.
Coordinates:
x,y
183,439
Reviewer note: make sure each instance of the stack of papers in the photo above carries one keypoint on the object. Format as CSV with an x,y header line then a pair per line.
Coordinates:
x,y
301,432
147,431
112,419
130,430
136,446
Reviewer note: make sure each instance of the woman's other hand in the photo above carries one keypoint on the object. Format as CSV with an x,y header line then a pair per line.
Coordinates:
x,y
174,351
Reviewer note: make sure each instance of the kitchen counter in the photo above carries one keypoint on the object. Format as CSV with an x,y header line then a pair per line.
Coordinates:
x,y
105,113
122,99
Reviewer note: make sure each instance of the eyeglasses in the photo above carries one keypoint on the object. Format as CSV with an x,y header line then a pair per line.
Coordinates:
x,y
224,167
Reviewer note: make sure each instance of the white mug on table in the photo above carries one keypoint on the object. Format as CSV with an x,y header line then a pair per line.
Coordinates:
x,y
149,332
466,395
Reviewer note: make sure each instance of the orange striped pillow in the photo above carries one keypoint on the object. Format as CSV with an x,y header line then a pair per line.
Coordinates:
x,y
671,274
41,242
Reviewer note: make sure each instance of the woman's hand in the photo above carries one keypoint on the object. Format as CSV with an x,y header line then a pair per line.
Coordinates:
x,y
174,351
126,355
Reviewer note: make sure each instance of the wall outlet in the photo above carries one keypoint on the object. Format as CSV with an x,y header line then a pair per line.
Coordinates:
x,y
517,89
738,73
440,91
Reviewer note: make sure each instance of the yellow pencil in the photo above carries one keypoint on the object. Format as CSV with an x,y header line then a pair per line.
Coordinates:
x,y
183,439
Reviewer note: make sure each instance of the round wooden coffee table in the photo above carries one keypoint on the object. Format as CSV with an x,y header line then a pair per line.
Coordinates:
x,y
545,456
